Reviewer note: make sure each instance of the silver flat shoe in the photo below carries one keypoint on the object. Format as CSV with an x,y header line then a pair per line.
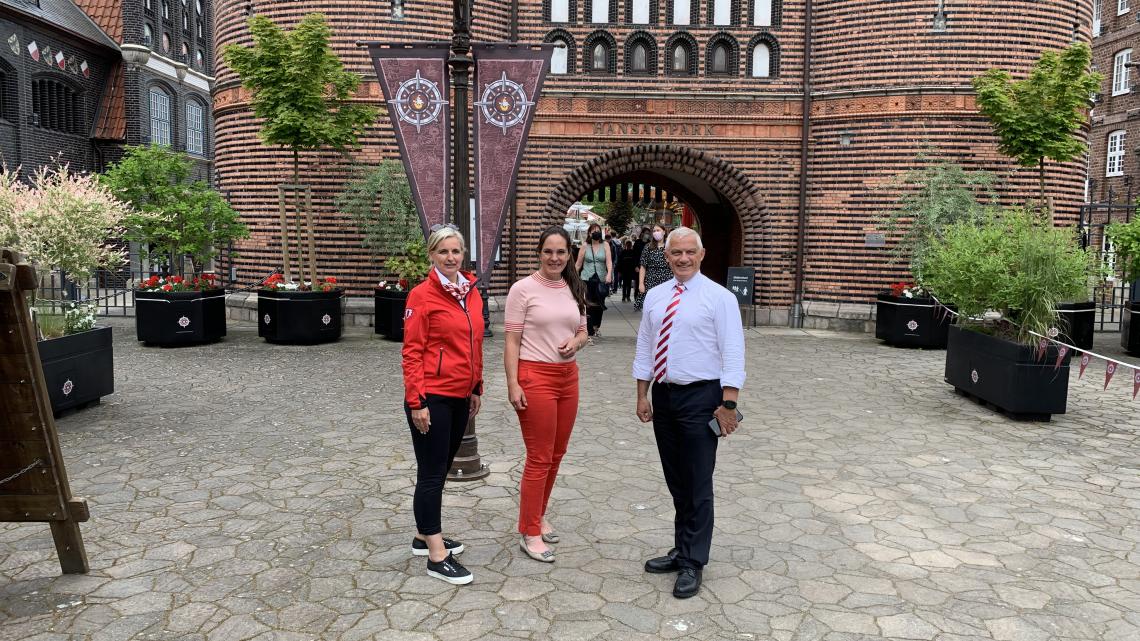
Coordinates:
x,y
551,537
545,557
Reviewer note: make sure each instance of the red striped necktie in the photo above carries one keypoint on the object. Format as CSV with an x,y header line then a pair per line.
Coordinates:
x,y
660,359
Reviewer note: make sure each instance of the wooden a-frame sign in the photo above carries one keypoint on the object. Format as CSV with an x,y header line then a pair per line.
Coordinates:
x,y
33,480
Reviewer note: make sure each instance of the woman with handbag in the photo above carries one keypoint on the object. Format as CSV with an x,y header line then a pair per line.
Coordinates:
x,y
595,265
443,383
545,327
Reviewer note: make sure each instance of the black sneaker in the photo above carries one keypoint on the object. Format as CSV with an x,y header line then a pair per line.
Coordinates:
x,y
449,570
420,548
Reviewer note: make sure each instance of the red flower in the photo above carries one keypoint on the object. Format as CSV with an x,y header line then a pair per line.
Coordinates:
x,y
331,280
403,283
177,280
897,288
166,288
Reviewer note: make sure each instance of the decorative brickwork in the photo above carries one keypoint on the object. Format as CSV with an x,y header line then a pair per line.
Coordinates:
x,y
885,86
1115,113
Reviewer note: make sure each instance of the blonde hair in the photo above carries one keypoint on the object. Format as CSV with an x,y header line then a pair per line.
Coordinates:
x,y
442,234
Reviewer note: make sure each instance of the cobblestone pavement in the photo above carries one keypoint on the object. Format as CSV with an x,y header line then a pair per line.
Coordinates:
x,y
249,491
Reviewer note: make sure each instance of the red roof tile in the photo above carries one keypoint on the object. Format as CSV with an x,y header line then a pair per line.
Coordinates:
x,y
111,121
108,14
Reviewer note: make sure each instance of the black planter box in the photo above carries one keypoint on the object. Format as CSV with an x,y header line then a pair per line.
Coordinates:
x,y
389,320
1007,374
79,369
911,322
1076,322
180,318
302,318
1129,330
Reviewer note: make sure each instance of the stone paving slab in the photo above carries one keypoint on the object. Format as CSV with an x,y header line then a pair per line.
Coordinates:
x,y
248,491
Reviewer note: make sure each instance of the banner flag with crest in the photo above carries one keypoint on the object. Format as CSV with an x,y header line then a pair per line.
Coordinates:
x,y
508,81
415,84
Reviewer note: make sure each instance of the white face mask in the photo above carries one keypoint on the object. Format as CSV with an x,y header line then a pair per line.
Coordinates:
x,y
657,235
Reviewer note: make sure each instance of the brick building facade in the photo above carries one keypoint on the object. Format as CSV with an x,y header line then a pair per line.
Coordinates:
x,y
133,72
707,101
1116,112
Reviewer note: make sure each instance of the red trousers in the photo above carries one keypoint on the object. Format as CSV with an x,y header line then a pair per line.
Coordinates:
x,y
551,391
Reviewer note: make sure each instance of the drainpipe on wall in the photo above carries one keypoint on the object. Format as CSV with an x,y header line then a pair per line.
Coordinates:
x,y
797,318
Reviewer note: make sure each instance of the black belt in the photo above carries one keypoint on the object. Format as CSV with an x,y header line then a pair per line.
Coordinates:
x,y
687,385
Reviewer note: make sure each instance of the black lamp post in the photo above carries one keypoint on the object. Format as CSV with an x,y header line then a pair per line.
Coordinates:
x,y
467,465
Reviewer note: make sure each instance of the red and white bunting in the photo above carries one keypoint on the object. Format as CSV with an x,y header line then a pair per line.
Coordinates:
x,y
85,69
60,60
1135,382
1061,352
1085,358
34,50
1109,370
1042,346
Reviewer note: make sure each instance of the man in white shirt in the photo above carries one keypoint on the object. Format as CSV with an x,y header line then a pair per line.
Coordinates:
x,y
690,346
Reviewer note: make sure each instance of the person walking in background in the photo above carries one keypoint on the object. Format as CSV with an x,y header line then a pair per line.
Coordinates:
x,y
595,264
690,346
615,251
654,268
443,383
545,326
627,270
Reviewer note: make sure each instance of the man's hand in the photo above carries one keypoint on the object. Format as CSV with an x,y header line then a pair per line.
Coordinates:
x,y
727,420
644,410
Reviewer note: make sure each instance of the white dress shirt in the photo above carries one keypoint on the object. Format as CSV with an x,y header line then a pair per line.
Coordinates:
x,y
707,338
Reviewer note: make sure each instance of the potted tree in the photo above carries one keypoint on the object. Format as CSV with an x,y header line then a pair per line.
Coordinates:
x,y
64,220
181,224
1042,117
305,100
1006,276
934,197
1126,241
380,201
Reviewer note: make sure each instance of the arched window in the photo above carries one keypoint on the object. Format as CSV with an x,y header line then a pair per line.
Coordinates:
x,y
603,11
200,59
761,61
562,61
165,42
682,12
599,57
1114,163
185,52
148,36
600,53
57,106
160,121
722,12
722,56
681,52
639,60
195,128
186,21
640,54
762,13
560,11
165,10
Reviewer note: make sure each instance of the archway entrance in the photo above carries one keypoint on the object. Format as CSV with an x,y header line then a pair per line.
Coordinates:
x,y
725,204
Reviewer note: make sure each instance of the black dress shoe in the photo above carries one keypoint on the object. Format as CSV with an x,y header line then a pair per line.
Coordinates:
x,y
688,583
663,564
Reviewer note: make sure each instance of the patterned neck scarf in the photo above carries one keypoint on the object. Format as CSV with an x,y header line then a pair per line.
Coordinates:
x,y
458,289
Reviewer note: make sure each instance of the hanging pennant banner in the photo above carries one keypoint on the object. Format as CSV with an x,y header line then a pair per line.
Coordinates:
x,y
1085,358
1135,382
1060,357
414,81
508,80
1109,370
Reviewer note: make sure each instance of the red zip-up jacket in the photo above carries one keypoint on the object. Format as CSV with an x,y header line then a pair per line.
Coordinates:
x,y
443,343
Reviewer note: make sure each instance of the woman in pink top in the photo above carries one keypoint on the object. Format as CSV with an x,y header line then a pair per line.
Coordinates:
x,y
545,326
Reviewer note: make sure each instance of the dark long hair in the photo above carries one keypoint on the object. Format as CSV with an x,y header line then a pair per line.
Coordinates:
x,y
569,273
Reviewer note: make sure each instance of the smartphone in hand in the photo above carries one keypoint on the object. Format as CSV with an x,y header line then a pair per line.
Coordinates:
x,y
714,424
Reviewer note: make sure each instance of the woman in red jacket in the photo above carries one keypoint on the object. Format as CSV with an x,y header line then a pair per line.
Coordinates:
x,y
443,382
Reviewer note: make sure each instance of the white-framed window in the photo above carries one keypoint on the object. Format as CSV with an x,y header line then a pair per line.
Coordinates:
x,y
560,11
1121,6
559,58
762,13
1121,73
761,61
722,12
640,12
600,11
1114,164
1096,18
195,129
159,117
682,12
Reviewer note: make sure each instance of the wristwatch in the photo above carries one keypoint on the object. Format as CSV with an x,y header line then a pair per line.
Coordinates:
x,y
729,405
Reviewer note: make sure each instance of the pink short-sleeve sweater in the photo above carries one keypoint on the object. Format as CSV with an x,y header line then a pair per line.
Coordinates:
x,y
545,312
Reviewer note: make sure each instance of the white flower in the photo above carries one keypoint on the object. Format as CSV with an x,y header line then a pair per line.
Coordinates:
x,y
906,292
290,286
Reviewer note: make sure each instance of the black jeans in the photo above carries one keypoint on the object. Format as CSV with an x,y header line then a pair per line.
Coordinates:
x,y
681,415
435,452
627,283
595,306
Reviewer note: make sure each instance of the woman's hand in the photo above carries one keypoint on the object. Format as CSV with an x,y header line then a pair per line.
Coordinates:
x,y
571,345
516,396
473,405
421,418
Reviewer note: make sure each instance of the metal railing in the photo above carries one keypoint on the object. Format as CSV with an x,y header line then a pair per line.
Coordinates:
x,y
1111,295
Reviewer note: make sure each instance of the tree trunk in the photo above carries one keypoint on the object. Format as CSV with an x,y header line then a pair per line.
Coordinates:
x,y
1046,211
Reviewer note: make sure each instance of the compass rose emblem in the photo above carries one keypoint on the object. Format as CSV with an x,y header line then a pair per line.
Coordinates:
x,y
504,103
418,101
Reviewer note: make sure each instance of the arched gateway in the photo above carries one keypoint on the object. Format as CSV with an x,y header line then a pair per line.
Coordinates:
x,y
727,204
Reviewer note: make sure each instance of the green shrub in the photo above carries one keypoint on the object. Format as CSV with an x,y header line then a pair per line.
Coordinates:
x,y
1125,239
